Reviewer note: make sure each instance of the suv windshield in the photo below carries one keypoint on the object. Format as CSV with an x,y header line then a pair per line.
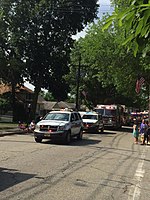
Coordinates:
x,y
100,111
57,116
104,112
110,112
89,117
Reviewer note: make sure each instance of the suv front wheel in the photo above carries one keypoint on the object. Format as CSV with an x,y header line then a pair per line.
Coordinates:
x,y
80,135
38,140
68,137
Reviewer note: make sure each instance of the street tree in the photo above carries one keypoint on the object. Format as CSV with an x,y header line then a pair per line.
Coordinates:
x,y
136,21
42,33
11,65
107,67
47,96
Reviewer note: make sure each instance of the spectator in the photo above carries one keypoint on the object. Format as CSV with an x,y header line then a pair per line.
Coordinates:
x,y
32,126
143,131
147,132
135,131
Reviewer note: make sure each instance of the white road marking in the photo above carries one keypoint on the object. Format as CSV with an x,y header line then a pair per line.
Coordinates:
x,y
135,191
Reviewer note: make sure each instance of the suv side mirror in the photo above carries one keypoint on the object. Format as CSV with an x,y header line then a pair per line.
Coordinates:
x,y
100,117
72,119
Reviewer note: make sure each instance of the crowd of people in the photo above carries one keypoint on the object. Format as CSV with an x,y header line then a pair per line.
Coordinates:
x,y
141,131
27,127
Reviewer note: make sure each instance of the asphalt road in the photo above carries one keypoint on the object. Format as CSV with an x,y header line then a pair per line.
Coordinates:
x,y
106,166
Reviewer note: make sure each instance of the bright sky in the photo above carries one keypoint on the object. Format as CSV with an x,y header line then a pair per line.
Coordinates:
x,y
105,7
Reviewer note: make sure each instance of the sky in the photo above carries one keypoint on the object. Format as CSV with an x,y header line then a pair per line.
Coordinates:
x,y
105,7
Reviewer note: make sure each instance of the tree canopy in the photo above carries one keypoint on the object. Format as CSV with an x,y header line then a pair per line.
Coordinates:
x,y
40,32
109,71
136,21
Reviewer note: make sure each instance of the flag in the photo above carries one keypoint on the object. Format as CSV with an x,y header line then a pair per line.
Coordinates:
x,y
139,84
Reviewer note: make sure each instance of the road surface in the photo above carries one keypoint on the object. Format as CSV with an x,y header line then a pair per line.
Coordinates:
x,y
106,166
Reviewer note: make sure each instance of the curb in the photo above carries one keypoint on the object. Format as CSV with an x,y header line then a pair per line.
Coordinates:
x,y
14,132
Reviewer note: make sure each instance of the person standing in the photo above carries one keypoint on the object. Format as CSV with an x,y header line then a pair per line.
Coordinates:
x,y
135,131
148,133
143,131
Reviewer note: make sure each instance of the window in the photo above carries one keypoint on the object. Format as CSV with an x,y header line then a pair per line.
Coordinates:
x,y
101,111
72,117
110,112
79,116
89,117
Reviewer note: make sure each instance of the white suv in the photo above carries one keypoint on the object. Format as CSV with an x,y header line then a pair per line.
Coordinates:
x,y
60,125
93,122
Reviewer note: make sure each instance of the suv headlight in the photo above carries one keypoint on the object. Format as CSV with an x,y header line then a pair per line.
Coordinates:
x,y
37,127
62,128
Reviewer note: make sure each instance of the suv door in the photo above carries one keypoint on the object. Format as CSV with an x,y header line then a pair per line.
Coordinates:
x,y
100,121
78,122
73,124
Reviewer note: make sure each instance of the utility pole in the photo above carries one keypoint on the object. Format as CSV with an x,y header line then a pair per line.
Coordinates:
x,y
149,104
78,83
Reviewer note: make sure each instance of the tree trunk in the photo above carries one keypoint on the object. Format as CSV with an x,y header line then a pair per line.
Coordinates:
x,y
13,100
149,103
34,102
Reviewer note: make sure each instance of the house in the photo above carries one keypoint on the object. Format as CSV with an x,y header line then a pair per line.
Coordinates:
x,y
53,105
24,97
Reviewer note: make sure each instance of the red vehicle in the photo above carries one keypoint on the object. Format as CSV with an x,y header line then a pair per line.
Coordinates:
x,y
112,115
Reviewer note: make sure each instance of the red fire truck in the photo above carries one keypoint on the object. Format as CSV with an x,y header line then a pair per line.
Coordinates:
x,y
112,115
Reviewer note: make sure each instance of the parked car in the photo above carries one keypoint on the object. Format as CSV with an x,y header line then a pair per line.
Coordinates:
x,y
92,122
59,125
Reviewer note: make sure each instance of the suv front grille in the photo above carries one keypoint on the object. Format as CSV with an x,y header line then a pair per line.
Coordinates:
x,y
47,128
88,124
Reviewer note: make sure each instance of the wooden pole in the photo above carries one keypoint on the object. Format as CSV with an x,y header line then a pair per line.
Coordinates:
x,y
149,105
78,83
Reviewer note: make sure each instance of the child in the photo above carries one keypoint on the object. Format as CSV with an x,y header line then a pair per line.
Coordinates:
x,y
32,126
135,132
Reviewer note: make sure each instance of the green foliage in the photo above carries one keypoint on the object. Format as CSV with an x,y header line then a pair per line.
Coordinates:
x,y
47,96
136,21
4,105
109,71
40,33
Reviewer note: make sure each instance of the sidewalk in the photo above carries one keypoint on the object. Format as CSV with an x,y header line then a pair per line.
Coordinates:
x,y
11,131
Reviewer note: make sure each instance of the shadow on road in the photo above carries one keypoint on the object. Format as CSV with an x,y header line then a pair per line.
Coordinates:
x,y
75,142
11,177
108,132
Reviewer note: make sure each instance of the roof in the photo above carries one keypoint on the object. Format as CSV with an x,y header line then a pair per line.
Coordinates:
x,y
53,105
4,88
40,99
48,105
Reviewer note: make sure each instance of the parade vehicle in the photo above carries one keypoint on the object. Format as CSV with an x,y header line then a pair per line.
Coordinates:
x,y
112,115
92,122
59,125
135,116
138,116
